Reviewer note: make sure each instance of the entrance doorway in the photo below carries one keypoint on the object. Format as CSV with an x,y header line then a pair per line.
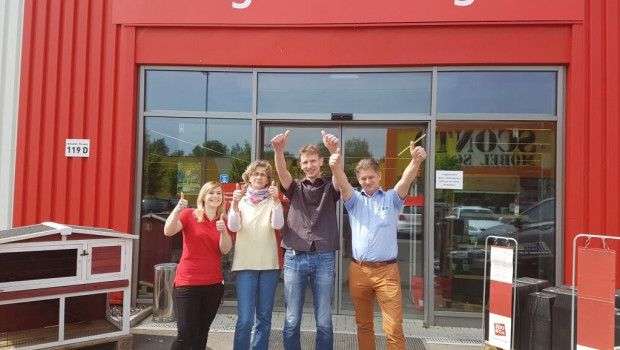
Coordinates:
x,y
383,142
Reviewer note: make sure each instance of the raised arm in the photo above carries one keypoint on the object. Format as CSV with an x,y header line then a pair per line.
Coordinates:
x,y
418,155
339,178
279,143
173,225
331,143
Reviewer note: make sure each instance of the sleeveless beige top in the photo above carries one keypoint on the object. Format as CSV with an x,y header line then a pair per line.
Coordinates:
x,y
255,246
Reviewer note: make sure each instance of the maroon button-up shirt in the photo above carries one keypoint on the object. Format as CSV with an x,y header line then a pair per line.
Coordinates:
x,y
312,216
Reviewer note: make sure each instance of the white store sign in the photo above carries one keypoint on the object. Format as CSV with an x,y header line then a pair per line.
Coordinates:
x,y
451,180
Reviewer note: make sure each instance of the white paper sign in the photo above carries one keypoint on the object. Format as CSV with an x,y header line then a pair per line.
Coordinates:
x,y
77,148
450,180
502,264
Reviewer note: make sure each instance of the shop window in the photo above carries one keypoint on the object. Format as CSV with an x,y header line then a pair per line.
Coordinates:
x,y
508,189
175,90
506,92
408,92
180,155
229,92
196,91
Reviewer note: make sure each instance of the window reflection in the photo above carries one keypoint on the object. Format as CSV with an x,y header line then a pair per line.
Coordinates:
x,y
508,190
180,155
229,92
175,90
516,92
198,91
344,92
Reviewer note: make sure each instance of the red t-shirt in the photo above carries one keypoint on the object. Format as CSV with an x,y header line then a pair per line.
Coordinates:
x,y
200,262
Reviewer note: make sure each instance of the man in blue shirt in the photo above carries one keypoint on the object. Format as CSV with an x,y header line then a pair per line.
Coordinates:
x,y
373,215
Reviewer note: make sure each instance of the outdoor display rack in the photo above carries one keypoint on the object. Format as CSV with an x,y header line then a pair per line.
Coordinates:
x,y
513,286
574,281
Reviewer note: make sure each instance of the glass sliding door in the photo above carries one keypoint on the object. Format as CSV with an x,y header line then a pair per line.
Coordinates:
x,y
383,143
300,135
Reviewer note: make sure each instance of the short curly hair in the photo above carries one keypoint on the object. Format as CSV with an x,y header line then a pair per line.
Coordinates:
x,y
258,164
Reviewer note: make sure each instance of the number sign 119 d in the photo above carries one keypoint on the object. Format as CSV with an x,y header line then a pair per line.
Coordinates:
x,y
77,148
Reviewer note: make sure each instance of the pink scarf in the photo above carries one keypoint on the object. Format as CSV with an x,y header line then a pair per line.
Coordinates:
x,y
256,196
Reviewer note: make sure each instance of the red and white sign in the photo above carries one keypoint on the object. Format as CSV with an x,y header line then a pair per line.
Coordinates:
x,y
500,296
338,12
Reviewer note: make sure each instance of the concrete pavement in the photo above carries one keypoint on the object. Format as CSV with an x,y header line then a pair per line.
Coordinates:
x,y
158,336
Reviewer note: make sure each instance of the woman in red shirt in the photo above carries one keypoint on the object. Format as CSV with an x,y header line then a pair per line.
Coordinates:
x,y
198,286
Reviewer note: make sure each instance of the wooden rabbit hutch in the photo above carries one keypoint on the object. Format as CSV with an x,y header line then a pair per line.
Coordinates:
x,y
64,286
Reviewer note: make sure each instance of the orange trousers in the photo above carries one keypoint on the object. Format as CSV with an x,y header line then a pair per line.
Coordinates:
x,y
366,283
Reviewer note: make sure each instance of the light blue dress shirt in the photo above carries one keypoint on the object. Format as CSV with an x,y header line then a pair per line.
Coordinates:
x,y
374,222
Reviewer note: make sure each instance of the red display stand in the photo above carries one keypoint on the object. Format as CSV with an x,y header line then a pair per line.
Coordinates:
x,y
596,282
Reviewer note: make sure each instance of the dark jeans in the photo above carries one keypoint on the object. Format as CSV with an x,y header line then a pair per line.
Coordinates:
x,y
196,309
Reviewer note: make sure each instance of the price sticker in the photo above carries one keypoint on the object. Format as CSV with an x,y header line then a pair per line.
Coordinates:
x,y
77,148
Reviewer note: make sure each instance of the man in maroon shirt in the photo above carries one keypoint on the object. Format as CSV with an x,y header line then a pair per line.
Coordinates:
x,y
310,238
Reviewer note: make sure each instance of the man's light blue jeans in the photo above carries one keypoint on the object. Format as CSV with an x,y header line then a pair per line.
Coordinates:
x,y
255,293
318,268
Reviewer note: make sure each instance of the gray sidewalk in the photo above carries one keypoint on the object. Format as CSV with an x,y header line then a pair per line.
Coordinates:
x,y
418,337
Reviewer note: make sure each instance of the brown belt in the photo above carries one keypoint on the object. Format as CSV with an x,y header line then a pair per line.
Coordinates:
x,y
373,263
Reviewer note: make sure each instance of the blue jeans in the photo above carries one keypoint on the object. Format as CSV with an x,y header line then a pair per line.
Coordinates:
x,y
255,293
318,267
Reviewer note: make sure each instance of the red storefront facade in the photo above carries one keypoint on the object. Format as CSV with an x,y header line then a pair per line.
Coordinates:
x,y
83,64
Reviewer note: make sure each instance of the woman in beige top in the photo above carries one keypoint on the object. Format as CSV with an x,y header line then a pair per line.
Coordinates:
x,y
255,214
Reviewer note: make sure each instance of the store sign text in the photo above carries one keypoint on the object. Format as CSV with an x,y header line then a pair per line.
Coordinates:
x,y
463,2
500,147
243,5
247,3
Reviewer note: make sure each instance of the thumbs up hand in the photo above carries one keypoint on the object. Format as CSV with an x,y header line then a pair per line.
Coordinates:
x,y
417,153
273,192
237,194
181,205
220,224
330,141
279,141
335,159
